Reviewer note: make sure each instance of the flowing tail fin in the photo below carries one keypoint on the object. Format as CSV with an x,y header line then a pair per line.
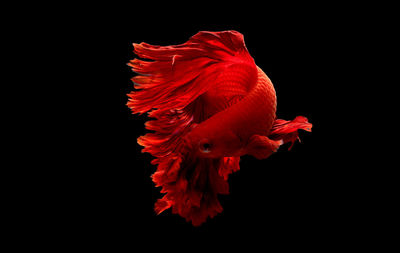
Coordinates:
x,y
288,130
170,87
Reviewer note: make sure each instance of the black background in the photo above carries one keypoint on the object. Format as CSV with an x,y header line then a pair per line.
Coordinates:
x,y
100,188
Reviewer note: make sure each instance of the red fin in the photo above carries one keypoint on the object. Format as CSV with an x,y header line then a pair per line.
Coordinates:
x,y
181,73
161,205
180,87
169,127
288,130
171,85
191,186
230,165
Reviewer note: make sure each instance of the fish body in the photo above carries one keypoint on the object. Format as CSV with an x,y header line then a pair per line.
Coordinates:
x,y
236,124
211,105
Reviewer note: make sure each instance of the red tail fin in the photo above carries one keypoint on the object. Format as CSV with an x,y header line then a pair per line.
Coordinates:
x,y
288,130
170,88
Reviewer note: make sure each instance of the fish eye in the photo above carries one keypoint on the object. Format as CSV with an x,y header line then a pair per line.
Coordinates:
x,y
205,146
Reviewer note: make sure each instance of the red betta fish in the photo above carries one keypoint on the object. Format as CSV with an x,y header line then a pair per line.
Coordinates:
x,y
211,105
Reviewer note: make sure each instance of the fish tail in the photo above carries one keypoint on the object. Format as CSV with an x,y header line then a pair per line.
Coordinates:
x,y
287,131
191,184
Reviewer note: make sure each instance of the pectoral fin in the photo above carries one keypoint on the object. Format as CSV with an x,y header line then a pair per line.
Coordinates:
x,y
288,130
262,147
